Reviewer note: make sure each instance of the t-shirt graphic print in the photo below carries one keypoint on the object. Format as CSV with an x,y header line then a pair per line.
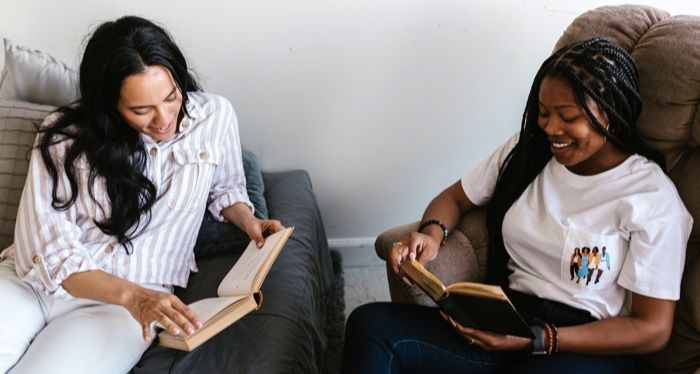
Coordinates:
x,y
588,259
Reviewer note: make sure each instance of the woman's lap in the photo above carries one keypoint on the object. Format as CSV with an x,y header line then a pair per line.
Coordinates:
x,y
393,338
40,334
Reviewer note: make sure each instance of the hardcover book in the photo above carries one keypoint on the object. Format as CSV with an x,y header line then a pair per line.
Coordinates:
x,y
239,294
481,306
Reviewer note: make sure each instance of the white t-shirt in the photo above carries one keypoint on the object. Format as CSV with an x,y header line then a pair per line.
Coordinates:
x,y
633,210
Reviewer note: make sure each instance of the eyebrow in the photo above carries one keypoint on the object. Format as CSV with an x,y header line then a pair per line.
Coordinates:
x,y
148,106
561,106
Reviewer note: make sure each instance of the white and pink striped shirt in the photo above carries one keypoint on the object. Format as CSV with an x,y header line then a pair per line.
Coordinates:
x,y
201,165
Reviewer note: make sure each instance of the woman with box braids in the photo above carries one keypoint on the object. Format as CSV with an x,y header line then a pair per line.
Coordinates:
x,y
576,175
598,72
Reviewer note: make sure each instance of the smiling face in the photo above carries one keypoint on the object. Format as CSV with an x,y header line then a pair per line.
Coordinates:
x,y
574,142
150,102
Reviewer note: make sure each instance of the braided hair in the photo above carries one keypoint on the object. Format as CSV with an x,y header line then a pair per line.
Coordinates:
x,y
597,70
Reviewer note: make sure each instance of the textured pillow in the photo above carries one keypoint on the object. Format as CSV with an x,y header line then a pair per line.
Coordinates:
x,y
36,77
254,183
18,123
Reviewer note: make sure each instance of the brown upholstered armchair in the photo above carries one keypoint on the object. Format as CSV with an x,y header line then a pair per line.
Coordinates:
x,y
667,50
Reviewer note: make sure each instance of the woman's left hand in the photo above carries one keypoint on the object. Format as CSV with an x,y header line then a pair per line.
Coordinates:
x,y
259,229
488,340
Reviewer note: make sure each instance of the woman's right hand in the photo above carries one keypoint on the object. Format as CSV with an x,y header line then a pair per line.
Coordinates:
x,y
416,246
148,306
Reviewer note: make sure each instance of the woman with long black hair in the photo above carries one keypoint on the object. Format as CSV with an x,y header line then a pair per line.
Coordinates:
x,y
575,176
117,186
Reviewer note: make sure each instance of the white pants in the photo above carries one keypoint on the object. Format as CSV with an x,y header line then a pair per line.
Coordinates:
x,y
41,334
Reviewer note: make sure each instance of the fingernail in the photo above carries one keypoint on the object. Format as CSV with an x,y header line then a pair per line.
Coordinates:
x,y
412,256
199,325
190,330
260,244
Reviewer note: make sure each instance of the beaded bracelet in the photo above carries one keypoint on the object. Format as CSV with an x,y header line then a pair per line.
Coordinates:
x,y
556,339
429,222
550,338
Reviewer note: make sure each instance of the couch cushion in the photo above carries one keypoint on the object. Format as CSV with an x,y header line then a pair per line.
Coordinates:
x,y
18,123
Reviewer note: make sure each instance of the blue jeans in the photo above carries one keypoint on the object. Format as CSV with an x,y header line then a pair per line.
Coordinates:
x,y
402,338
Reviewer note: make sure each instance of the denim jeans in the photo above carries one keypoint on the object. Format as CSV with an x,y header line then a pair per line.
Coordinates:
x,y
402,338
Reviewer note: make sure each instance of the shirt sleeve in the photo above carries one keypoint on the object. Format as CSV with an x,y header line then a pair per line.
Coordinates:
x,y
479,183
654,262
47,241
228,184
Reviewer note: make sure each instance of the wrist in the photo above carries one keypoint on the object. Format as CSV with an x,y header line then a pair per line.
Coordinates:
x,y
433,224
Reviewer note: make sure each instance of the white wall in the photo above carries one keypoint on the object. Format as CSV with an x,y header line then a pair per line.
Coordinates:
x,y
384,102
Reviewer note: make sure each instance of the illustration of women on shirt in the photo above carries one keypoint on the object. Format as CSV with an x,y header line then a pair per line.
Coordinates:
x,y
603,260
583,269
592,264
575,263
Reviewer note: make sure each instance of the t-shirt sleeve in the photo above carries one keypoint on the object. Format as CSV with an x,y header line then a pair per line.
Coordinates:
x,y
654,263
479,183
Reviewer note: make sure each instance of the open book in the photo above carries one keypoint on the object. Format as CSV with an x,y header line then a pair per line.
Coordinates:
x,y
239,294
476,305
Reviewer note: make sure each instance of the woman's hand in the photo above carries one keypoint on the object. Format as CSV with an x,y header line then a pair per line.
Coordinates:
x,y
489,341
259,229
416,246
148,306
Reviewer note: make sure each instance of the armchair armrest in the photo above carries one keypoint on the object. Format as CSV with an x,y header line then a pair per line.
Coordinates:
x,y
462,258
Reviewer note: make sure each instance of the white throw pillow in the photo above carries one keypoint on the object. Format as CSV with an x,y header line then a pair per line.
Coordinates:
x,y
36,77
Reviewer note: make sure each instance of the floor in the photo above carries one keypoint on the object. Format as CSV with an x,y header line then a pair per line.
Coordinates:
x,y
365,277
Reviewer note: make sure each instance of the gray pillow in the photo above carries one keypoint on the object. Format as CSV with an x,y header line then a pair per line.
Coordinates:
x,y
254,183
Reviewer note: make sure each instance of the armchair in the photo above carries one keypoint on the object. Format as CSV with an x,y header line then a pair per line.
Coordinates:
x,y
667,51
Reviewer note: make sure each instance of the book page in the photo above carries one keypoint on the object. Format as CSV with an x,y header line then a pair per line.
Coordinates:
x,y
239,280
205,309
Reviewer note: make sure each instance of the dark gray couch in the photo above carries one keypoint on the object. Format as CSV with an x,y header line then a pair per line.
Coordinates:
x,y
286,335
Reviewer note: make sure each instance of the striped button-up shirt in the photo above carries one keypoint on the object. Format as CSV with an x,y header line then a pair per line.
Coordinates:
x,y
200,167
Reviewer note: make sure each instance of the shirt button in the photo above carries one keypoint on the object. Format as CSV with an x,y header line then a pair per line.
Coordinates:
x,y
109,249
185,123
36,259
203,155
154,151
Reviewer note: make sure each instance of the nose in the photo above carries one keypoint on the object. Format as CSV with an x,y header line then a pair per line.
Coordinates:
x,y
552,126
160,117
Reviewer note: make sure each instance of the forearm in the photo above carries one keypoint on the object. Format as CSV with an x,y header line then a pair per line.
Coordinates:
x,y
647,329
239,214
447,207
612,336
100,286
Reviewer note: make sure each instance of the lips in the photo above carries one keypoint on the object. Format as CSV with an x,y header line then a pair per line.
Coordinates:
x,y
560,147
162,130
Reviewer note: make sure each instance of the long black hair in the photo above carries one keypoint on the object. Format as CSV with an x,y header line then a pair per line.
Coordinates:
x,y
595,69
94,128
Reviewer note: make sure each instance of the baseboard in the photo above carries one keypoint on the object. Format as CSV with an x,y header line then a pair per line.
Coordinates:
x,y
351,242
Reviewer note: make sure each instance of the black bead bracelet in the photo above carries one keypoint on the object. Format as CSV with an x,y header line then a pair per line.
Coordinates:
x,y
429,222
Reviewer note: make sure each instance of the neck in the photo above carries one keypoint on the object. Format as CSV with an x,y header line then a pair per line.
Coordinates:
x,y
608,157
